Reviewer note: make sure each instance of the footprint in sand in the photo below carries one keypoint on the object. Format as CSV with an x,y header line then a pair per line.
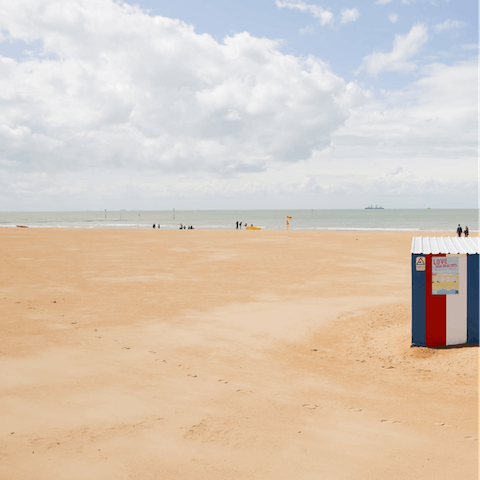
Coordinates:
x,y
389,421
469,437
441,424
221,380
310,406
356,410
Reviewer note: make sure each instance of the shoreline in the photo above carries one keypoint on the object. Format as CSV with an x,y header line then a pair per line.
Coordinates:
x,y
473,233
273,220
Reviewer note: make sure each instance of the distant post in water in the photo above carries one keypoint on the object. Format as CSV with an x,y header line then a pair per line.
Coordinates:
x,y
287,223
174,214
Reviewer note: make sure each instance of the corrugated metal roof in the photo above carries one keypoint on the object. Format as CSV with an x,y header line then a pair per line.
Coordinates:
x,y
447,245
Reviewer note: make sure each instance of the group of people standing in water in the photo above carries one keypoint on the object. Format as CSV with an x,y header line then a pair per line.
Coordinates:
x,y
182,227
460,231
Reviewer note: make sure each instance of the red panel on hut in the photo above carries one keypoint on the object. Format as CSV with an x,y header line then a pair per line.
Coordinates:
x,y
436,311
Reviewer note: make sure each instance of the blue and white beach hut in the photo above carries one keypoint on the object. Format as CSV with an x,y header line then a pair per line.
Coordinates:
x,y
445,291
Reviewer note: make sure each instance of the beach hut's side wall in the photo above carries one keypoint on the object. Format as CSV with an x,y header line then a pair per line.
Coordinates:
x,y
473,316
418,303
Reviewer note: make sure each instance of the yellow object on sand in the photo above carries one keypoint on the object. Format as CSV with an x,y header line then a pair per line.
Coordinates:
x,y
252,228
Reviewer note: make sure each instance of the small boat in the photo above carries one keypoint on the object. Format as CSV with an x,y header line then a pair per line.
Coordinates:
x,y
376,207
252,228
22,226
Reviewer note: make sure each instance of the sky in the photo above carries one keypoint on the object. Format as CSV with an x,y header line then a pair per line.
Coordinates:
x,y
220,104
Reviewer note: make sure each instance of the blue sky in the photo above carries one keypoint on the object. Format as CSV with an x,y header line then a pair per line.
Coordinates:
x,y
224,104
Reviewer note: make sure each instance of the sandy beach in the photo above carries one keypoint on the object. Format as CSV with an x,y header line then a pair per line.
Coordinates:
x,y
195,354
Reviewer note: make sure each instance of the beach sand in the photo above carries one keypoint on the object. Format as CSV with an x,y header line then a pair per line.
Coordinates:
x,y
195,354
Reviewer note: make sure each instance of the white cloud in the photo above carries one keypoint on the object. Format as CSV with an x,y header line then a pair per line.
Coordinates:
x,y
349,15
434,117
324,16
470,46
307,30
393,17
448,25
232,115
399,59
117,88
382,2
413,146
116,108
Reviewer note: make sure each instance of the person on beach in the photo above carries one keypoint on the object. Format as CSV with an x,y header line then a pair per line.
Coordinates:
x,y
181,227
158,225
154,226
466,232
459,230
237,225
240,225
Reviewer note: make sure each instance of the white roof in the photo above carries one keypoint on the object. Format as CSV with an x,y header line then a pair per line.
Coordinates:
x,y
447,245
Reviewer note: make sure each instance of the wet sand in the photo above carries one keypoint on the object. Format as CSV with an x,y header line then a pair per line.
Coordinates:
x,y
193,354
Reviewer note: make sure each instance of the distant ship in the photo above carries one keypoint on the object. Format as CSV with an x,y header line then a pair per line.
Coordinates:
x,y
376,207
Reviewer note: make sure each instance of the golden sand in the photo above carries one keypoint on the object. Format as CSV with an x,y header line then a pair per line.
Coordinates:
x,y
223,355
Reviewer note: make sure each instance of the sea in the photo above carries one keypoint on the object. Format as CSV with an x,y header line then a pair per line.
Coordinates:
x,y
411,220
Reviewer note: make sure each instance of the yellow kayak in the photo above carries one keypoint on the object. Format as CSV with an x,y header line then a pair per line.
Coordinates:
x,y
252,228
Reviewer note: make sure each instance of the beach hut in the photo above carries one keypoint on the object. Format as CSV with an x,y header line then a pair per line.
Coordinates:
x,y
445,291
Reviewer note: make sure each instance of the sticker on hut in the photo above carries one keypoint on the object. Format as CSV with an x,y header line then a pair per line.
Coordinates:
x,y
444,275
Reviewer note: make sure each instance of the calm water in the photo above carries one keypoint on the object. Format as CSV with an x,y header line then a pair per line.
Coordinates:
x,y
394,220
